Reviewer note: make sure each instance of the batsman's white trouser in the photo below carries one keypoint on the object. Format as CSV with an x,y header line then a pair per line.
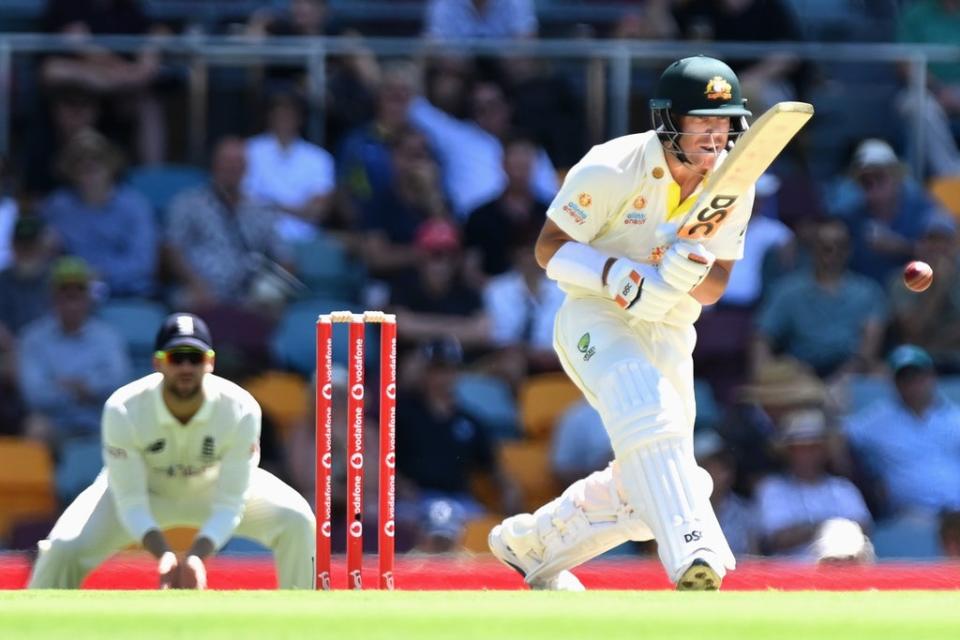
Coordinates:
x,y
89,532
639,376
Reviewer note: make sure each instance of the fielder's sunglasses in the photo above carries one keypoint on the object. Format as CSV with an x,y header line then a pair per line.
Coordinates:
x,y
179,356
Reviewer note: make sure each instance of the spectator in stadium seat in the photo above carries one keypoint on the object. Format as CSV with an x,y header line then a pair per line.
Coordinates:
x,y
8,217
516,215
832,319
453,20
109,225
768,80
931,319
414,195
471,151
211,230
286,172
364,166
439,446
734,513
126,81
793,505
521,305
24,294
935,22
74,360
434,300
910,442
886,211
950,534
68,111
579,444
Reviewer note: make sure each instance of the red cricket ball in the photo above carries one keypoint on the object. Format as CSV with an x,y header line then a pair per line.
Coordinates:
x,y
917,276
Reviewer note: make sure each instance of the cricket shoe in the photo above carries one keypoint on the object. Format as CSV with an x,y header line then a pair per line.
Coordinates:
x,y
699,576
563,581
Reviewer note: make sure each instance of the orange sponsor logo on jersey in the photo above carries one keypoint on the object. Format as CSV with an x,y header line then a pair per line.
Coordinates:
x,y
585,200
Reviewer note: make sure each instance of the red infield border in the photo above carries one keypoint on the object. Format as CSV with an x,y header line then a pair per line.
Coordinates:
x,y
437,573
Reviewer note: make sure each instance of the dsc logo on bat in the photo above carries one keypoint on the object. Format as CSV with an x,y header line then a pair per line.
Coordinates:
x,y
710,217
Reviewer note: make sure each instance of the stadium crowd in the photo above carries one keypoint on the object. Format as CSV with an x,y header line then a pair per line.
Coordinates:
x,y
826,389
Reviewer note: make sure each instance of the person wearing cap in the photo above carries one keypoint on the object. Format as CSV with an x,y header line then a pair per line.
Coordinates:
x,y
910,440
24,294
635,284
110,225
70,361
884,208
434,299
181,447
931,319
792,506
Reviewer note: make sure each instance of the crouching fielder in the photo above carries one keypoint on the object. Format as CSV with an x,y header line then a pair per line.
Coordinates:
x,y
181,448
625,334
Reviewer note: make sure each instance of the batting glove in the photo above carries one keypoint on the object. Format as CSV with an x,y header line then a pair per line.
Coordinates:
x,y
640,289
685,265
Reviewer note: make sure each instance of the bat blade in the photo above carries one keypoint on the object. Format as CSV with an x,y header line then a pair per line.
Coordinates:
x,y
753,154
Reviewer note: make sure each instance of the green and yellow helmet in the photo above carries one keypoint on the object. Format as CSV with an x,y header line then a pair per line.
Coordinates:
x,y
697,86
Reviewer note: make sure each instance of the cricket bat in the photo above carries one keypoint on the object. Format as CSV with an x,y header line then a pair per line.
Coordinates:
x,y
753,153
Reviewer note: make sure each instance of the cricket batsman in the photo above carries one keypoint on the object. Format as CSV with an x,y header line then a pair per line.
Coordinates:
x,y
180,449
625,333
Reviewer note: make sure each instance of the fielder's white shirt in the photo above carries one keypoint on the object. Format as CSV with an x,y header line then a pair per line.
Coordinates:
x,y
620,192
149,452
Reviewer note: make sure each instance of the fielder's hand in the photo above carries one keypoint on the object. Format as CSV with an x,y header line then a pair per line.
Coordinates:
x,y
193,574
169,570
641,290
685,265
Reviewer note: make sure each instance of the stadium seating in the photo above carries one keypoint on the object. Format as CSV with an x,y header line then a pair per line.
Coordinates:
x,y
324,266
906,537
542,400
528,464
475,533
489,400
80,462
26,482
946,190
162,182
283,396
294,341
137,322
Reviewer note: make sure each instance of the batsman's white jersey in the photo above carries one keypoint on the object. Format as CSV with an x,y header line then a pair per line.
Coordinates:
x,y
637,374
160,473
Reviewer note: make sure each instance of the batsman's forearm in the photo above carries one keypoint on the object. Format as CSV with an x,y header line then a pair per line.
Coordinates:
x,y
713,286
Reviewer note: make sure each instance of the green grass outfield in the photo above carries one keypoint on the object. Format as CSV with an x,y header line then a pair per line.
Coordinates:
x,y
604,615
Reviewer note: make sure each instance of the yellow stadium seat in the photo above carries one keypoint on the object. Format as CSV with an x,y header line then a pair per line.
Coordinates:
x,y
528,464
26,482
283,397
542,400
475,533
947,191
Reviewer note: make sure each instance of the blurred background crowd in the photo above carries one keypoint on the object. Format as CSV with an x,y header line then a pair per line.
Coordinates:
x,y
416,184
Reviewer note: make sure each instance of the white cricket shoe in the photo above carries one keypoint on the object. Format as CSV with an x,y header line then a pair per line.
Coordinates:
x,y
563,581
699,576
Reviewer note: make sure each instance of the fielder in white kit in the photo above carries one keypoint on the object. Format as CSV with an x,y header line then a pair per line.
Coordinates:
x,y
625,334
181,448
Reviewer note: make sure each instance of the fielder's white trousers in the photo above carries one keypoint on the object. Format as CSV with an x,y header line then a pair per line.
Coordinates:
x,y
89,531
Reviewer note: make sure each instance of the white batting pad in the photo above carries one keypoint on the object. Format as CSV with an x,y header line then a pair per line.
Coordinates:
x,y
589,518
661,481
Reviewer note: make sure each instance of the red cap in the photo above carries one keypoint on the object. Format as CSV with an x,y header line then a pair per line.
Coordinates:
x,y
437,236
